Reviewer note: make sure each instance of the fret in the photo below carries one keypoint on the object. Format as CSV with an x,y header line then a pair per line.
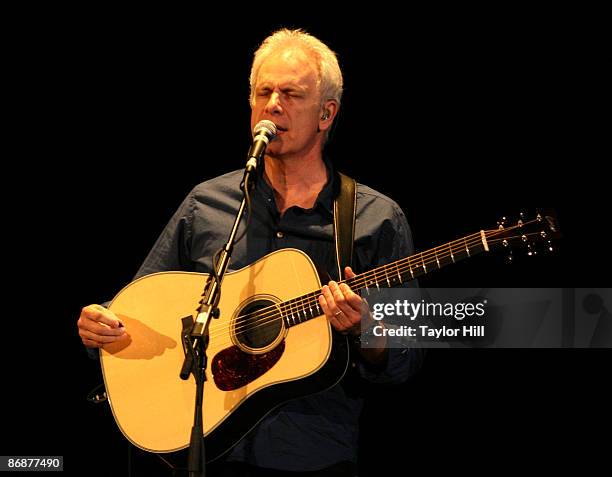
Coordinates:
x,y
287,311
278,312
466,247
423,263
399,275
387,277
296,313
373,279
437,261
410,266
450,248
292,311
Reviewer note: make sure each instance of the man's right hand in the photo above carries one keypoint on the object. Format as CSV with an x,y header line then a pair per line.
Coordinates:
x,y
99,326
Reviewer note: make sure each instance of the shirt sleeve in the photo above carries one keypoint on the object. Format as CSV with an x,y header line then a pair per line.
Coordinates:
x,y
394,243
172,249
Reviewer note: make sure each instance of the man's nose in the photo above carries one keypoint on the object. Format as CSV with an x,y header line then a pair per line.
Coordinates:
x,y
273,106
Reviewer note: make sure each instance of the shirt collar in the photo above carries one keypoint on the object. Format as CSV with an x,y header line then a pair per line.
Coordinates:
x,y
325,198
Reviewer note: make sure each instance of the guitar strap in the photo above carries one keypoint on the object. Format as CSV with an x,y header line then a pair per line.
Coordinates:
x,y
344,223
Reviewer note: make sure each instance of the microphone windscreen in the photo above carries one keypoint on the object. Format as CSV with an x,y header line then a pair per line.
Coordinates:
x,y
266,127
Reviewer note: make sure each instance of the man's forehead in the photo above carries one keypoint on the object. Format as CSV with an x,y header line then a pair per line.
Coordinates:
x,y
287,62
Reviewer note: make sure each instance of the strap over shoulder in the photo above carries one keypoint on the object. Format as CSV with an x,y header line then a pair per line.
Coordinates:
x,y
344,222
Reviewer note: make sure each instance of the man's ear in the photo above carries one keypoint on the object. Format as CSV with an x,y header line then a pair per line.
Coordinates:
x,y
328,113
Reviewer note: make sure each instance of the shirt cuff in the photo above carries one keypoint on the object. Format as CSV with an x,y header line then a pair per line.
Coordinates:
x,y
401,363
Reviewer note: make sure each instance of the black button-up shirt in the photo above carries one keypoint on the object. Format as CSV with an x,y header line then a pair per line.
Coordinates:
x,y
319,430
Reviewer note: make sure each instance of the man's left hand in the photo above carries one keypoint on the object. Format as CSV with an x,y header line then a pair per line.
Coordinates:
x,y
343,307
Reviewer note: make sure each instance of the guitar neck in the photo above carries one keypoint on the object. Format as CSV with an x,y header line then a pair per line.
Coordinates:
x,y
306,307
409,268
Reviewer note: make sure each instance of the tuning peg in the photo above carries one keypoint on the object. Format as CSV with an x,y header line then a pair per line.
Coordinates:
x,y
509,258
550,246
531,250
552,225
502,223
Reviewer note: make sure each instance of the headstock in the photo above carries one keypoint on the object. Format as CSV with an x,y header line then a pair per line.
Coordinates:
x,y
534,233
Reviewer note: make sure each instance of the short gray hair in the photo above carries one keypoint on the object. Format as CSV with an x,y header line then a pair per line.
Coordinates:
x,y
329,80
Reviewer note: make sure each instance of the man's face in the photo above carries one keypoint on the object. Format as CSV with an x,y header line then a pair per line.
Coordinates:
x,y
286,93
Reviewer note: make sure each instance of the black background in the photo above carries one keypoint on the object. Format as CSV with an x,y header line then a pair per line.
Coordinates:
x,y
461,117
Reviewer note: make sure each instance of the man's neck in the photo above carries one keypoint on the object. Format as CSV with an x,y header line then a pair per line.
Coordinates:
x,y
296,181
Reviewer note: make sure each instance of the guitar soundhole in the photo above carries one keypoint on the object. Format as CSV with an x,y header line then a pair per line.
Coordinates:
x,y
256,327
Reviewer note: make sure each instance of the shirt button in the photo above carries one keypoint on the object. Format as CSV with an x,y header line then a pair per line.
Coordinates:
x,y
279,234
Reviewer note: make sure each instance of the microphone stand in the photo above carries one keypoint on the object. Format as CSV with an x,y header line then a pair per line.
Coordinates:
x,y
196,342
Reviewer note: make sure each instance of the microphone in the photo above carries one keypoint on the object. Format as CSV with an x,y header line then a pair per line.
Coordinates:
x,y
263,132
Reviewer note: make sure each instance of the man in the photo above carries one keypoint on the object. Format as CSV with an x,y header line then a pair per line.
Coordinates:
x,y
296,83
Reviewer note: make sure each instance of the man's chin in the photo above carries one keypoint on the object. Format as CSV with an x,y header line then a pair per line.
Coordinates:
x,y
274,151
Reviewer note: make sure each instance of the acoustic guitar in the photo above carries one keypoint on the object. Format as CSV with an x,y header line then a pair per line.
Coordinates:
x,y
271,343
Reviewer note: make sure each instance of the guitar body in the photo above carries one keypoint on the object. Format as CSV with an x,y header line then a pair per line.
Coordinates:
x,y
252,367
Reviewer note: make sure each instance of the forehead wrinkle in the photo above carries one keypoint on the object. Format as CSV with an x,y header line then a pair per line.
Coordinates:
x,y
300,65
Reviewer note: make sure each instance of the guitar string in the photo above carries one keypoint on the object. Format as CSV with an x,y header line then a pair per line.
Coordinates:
x,y
222,331
287,307
362,280
311,299
307,299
